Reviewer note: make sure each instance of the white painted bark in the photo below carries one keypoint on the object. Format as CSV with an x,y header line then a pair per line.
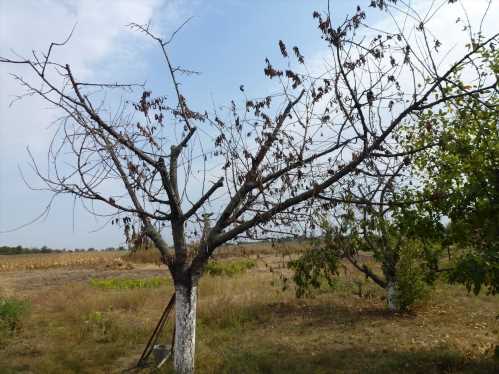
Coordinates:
x,y
391,296
185,329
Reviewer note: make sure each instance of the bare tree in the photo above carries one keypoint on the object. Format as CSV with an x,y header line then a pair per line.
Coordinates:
x,y
261,167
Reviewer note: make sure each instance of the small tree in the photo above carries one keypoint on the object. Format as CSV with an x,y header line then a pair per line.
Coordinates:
x,y
462,174
387,223
268,162
378,211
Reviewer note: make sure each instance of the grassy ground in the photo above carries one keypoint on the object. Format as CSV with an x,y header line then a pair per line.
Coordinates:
x,y
246,323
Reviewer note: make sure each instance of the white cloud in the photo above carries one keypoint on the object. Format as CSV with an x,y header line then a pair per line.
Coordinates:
x,y
442,26
100,36
447,25
100,33
440,21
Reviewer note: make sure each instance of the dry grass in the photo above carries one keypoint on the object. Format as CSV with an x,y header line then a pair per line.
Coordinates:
x,y
151,255
147,256
247,324
57,260
260,249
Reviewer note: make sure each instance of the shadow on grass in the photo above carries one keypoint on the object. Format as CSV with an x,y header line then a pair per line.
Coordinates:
x,y
268,358
331,312
255,316
246,350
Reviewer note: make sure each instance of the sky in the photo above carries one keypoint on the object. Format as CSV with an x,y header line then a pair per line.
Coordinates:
x,y
226,40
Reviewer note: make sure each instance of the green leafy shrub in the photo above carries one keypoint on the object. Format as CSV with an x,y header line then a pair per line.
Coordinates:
x,y
319,264
12,312
313,269
228,268
127,283
474,271
412,285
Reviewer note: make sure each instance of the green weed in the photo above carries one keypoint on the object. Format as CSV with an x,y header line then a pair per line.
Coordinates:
x,y
11,313
127,283
229,268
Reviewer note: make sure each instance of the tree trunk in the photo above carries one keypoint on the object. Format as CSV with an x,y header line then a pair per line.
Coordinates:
x,y
391,296
185,328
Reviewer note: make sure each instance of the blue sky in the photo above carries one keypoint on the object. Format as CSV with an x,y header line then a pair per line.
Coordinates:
x,y
227,41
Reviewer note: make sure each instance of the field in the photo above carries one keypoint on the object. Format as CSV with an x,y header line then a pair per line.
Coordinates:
x,y
93,313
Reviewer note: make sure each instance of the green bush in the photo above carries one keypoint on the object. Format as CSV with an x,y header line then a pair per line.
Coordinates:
x,y
315,268
475,271
228,268
412,286
319,265
11,313
127,283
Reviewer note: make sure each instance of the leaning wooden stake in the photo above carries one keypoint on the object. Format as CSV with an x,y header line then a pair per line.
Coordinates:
x,y
157,331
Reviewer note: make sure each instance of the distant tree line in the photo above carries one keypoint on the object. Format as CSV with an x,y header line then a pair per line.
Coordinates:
x,y
20,250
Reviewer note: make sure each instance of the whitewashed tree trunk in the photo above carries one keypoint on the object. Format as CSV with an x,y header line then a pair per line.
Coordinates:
x,y
185,329
391,296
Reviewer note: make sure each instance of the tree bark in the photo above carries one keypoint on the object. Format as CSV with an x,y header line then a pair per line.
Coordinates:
x,y
391,296
185,328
